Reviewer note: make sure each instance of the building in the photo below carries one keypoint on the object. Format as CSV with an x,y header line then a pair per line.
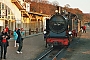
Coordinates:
x,y
17,14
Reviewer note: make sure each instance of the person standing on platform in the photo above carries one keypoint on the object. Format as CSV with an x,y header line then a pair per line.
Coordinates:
x,y
22,34
84,29
81,29
15,36
4,43
19,41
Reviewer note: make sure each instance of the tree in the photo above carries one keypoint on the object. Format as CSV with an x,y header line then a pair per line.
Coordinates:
x,y
55,3
67,6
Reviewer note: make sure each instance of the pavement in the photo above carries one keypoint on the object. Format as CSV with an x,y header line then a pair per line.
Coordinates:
x,y
32,46
80,49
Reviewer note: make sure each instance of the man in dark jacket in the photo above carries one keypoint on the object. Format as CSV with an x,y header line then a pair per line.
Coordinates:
x,y
19,40
4,42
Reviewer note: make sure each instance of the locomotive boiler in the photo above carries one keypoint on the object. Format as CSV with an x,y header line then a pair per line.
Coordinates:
x,y
60,29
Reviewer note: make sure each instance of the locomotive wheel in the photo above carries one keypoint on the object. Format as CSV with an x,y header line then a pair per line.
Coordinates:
x,y
66,46
69,42
46,45
46,42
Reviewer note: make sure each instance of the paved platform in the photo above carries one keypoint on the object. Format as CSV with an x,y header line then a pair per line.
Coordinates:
x,y
80,49
33,45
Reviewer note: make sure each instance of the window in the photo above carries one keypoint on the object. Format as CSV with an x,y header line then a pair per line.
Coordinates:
x,y
5,7
8,17
2,16
2,6
8,11
9,14
11,17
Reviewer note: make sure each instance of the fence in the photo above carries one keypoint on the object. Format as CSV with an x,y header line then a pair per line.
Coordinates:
x,y
28,32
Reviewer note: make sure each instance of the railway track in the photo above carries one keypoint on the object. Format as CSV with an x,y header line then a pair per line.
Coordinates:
x,y
56,54
45,54
55,57
50,54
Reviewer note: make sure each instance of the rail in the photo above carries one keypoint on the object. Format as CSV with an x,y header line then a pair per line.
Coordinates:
x,y
45,54
55,57
51,54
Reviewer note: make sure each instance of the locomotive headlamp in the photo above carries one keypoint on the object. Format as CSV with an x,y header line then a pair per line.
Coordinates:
x,y
44,32
69,32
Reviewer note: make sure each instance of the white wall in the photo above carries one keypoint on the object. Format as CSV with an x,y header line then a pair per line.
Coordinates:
x,y
13,8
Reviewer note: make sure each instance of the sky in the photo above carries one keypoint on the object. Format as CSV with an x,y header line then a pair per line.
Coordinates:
x,y
83,5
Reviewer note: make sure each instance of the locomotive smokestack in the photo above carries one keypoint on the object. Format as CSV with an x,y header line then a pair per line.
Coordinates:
x,y
59,9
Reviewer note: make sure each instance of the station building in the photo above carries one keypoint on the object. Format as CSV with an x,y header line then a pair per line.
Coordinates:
x,y
17,14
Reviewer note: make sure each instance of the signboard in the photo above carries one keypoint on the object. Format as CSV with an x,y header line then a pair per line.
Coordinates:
x,y
3,12
27,7
1,22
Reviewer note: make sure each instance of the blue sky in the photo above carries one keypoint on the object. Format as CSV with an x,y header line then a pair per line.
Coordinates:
x,y
83,5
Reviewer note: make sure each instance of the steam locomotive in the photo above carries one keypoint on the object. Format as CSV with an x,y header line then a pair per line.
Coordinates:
x,y
61,29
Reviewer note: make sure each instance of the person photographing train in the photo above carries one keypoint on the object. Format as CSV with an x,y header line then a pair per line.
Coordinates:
x,y
4,43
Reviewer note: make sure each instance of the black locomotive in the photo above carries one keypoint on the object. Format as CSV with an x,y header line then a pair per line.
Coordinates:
x,y
60,29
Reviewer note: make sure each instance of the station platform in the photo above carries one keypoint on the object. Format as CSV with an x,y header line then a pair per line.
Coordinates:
x,y
33,45
80,49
